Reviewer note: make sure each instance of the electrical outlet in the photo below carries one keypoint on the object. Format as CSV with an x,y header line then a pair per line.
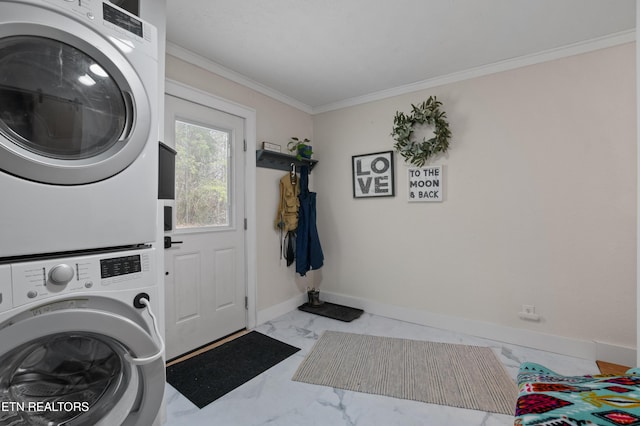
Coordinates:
x,y
528,313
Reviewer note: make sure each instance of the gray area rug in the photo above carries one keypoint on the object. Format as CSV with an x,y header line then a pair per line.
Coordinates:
x,y
438,373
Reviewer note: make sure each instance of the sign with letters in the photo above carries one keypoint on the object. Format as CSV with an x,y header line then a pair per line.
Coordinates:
x,y
425,184
373,175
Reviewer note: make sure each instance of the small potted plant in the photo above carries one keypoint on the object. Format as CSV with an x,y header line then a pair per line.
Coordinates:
x,y
300,148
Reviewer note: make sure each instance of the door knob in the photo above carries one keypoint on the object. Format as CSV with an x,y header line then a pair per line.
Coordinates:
x,y
168,242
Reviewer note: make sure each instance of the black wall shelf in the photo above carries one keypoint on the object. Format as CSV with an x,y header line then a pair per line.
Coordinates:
x,y
280,161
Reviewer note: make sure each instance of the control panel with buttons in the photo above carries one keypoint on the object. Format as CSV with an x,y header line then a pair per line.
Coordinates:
x,y
42,279
124,28
6,298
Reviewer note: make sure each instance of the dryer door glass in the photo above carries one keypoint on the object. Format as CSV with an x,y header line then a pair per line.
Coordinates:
x,y
57,101
64,379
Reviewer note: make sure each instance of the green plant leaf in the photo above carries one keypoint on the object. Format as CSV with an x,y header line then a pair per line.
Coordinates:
x,y
426,113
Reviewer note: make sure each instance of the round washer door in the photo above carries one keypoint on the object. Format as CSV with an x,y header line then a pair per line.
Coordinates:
x,y
67,367
73,109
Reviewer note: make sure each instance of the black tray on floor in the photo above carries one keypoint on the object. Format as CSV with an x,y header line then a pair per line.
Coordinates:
x,y
331,310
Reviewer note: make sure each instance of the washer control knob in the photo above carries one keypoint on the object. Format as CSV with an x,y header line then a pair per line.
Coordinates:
x,y
61,274
31,294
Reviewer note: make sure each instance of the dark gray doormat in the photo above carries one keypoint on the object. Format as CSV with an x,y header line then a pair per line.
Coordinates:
x,y
331,310
212,374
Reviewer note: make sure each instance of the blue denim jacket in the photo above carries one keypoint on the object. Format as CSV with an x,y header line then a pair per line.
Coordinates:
x,y
308,250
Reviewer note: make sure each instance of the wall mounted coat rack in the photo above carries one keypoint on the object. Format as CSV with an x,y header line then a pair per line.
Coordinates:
x,y
280,161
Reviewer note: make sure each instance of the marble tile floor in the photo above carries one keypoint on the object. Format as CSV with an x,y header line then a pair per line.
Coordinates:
x,y
273,398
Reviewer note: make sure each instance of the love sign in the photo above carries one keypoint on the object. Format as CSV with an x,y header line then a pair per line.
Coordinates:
x,y
373,175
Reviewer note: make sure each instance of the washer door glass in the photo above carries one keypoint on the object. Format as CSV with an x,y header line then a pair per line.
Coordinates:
x,y
57,101
62,377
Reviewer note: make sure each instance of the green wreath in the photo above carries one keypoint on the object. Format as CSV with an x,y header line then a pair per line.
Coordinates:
x,y
415,152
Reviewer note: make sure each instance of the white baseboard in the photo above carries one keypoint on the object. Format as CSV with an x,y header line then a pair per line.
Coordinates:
x,y
585,349
622,355
532,339
275,311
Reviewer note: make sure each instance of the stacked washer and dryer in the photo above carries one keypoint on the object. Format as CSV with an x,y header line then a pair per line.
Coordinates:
x,y
79,341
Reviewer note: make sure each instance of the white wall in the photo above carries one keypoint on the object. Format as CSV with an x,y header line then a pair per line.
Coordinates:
x,y
276,122
540,202
638,175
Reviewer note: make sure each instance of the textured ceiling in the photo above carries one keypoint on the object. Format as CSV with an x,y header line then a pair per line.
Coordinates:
x,y
325,52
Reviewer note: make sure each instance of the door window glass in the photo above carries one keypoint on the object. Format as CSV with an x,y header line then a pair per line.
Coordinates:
x,y
75,374
202,176
57,101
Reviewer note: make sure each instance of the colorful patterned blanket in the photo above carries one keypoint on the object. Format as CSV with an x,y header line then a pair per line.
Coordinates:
x,y
546,398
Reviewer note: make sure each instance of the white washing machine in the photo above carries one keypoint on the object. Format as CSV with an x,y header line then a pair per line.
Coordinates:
x,y
78,127
78,346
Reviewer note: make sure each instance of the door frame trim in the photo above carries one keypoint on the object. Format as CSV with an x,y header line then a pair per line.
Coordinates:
x,y
192,94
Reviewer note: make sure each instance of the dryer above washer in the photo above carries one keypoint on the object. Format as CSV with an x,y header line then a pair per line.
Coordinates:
x,y
78,127
75,108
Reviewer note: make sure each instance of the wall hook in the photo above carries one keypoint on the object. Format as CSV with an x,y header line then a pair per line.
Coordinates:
x,y
293,175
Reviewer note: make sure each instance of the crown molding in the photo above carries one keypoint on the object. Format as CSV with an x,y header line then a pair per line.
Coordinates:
x,y
211,66
506,65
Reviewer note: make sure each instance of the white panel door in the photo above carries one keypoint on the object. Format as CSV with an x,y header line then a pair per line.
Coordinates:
x,y
205,277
